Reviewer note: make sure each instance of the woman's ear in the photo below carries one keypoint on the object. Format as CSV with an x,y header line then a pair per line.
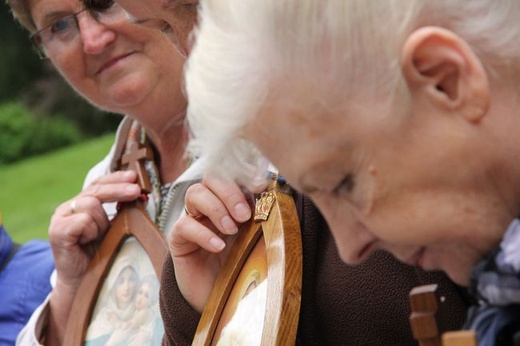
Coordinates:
x,y
441,66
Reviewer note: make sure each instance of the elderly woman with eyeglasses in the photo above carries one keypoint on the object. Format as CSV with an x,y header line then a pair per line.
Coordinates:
x,y
125,68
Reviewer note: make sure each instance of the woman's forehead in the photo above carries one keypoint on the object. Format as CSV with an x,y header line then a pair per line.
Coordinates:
x,y
50,5
139,9
44,10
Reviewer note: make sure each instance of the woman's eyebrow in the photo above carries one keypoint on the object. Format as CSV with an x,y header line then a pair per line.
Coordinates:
x,y
51,16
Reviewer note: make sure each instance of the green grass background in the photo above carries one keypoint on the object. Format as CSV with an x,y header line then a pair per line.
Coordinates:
x,y
31,190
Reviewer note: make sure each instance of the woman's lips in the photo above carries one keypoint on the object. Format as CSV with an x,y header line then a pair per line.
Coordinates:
x,y
111,62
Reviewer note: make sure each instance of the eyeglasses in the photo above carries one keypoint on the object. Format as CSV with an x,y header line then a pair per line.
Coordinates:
x,y
56,36
164,27
176,22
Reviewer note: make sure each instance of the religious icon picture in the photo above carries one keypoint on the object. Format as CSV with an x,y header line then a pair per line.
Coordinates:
x,y
241,322
127,308
117,302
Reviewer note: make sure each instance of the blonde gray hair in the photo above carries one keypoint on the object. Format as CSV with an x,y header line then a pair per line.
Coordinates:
x,y
244,48
22,13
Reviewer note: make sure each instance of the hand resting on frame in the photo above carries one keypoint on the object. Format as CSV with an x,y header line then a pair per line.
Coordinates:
x,y
199,241
75,233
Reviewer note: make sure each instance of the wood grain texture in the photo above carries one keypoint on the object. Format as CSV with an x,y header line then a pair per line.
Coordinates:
x,y
459,338
281,233
424,303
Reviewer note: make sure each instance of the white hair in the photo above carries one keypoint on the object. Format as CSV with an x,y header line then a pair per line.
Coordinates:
x,y
245,47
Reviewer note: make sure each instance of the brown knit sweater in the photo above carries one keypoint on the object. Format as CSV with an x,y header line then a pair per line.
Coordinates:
x,y
341,305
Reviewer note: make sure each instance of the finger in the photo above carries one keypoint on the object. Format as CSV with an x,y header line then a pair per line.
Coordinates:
x,y
66,229
65,220
93,207
188,235
84,229
200,201
116,177
231,195
83,204
114,187
112,192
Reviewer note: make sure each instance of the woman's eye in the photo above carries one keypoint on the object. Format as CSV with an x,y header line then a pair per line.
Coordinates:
x,y
61,25
346,185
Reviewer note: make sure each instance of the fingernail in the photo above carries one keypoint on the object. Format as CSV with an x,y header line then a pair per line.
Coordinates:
x,y
217,243
242,212
128,174
229,225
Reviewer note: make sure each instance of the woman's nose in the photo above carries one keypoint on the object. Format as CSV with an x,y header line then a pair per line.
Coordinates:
x,y
95,36
126,287
353,239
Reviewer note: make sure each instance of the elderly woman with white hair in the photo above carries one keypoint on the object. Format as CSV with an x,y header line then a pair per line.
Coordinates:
x,y
399,119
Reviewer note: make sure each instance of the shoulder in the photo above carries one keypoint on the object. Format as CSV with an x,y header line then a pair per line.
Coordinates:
x,y
36,257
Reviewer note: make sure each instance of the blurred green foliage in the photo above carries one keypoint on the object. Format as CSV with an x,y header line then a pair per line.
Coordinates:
x,y
23,136
36,83
32,189
19,64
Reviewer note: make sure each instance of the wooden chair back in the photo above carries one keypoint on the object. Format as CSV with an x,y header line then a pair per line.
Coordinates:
x,y
425,304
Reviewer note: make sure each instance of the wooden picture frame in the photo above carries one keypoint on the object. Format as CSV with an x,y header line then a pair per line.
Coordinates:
x,y
276,230
131,223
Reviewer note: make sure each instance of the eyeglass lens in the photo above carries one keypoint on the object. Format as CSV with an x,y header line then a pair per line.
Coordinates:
x,y
66,29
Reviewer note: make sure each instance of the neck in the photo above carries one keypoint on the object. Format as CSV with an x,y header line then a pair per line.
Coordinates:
x,y
165,126
170,144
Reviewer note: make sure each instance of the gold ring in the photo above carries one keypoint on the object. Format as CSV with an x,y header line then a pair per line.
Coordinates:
x,y
188,212
72,207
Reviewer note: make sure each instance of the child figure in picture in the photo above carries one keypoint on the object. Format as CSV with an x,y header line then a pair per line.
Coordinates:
x,y
140,329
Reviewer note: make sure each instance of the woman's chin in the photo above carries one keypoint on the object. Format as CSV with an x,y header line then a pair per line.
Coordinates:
x,y
457,273
127,93
461,279
125,99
